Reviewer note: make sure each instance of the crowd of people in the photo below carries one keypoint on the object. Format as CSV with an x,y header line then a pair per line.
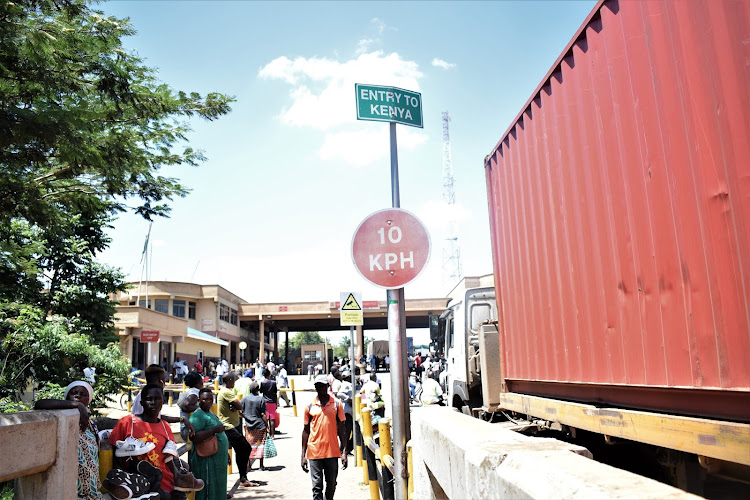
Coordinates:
x,y
147,464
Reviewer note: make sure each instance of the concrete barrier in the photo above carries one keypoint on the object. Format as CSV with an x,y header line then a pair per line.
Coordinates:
x,y
39,450
456,456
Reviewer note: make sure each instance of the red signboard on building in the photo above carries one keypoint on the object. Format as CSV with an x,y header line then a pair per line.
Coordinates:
x,y
149,335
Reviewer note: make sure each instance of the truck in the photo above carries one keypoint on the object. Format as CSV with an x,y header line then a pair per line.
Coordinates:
x,y
379,349
619,207
471,306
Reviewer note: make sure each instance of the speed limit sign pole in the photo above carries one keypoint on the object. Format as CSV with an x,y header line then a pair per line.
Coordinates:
x,y
397,350
389,249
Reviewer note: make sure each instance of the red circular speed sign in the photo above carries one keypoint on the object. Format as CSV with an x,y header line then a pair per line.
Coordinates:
x,y
390,248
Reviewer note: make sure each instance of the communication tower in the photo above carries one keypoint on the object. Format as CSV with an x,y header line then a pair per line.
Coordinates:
x,y
451,249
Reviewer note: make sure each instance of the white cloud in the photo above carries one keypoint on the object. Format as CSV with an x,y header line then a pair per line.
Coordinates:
x,y
364,45
364,147
437,62
437,216
379,25
323,89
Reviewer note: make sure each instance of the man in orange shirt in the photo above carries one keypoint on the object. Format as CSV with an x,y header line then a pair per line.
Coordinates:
x,y
324,424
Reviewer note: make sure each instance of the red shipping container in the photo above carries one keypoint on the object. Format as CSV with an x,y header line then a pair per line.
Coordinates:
x,y
620,214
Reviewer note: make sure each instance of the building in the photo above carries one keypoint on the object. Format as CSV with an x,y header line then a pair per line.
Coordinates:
x,y
161,320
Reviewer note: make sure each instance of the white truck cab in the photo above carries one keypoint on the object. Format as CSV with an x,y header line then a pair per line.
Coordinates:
x,y
459,333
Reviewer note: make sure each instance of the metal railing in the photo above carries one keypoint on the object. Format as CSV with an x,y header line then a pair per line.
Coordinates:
x,y
375,455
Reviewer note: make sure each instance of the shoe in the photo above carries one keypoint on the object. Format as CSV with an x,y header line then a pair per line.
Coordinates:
x,y
152,474
170,448
245,483
104,435
132,447
125,486
146,468
118,491
187,482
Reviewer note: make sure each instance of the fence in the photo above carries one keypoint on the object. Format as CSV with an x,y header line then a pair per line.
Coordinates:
x,y
374,454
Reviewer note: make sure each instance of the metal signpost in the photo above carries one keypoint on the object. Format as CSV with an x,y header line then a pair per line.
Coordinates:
x,y
396,266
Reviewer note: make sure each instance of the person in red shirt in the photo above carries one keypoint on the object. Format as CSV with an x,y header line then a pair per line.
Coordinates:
x,y
149,429
324,423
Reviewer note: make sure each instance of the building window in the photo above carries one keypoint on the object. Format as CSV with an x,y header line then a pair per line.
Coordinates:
x,y
224,313
161,305
143,303
233,316
191,310
313,355
178,308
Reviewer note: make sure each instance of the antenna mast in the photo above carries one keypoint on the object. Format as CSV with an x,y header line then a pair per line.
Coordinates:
x,y
451,249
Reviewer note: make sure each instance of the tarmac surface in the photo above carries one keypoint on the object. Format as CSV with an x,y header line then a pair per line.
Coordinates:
x,y
283,477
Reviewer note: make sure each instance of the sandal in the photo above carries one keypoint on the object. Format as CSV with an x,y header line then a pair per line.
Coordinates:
x,y
248,484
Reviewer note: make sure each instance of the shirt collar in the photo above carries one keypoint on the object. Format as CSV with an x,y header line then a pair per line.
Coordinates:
x,y
316,401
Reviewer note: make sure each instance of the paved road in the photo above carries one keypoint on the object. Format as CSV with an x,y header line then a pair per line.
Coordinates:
x,y
283,477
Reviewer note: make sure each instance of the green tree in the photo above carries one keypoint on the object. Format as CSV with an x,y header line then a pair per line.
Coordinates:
x,y
85,130
342,350
300,339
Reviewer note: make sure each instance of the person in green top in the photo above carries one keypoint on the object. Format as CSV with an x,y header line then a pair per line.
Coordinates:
x,y
228,411
213,469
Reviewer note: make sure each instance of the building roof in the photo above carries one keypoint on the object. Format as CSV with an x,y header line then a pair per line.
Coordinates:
x,y
199,335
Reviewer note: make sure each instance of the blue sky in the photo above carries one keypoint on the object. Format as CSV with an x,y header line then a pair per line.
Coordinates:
x,y
291,172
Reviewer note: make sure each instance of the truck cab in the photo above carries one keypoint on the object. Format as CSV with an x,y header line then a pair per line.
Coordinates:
x,y
459,333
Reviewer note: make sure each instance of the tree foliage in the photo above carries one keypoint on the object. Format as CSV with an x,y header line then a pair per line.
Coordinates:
x,y
85,131
300,339
45,350
342,349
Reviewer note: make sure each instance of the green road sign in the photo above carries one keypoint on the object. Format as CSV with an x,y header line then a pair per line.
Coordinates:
x,y
388,104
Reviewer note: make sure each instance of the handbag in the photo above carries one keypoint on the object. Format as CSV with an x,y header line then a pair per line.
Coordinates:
x,y
269,450
207,447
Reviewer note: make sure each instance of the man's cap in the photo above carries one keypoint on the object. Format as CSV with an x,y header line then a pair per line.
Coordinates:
x,y
321,379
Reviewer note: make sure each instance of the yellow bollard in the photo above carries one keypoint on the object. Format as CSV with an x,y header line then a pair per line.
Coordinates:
x,y
410,469
367,428
294,398
106,462
130,406
229,466
361,447
384,433
170,398
357,447
216,385
386,452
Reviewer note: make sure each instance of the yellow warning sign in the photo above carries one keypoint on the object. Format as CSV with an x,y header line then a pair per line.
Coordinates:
x,y
350,304
350,310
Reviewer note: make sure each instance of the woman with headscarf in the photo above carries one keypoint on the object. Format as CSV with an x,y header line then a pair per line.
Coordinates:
x,y
212,469
77,396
